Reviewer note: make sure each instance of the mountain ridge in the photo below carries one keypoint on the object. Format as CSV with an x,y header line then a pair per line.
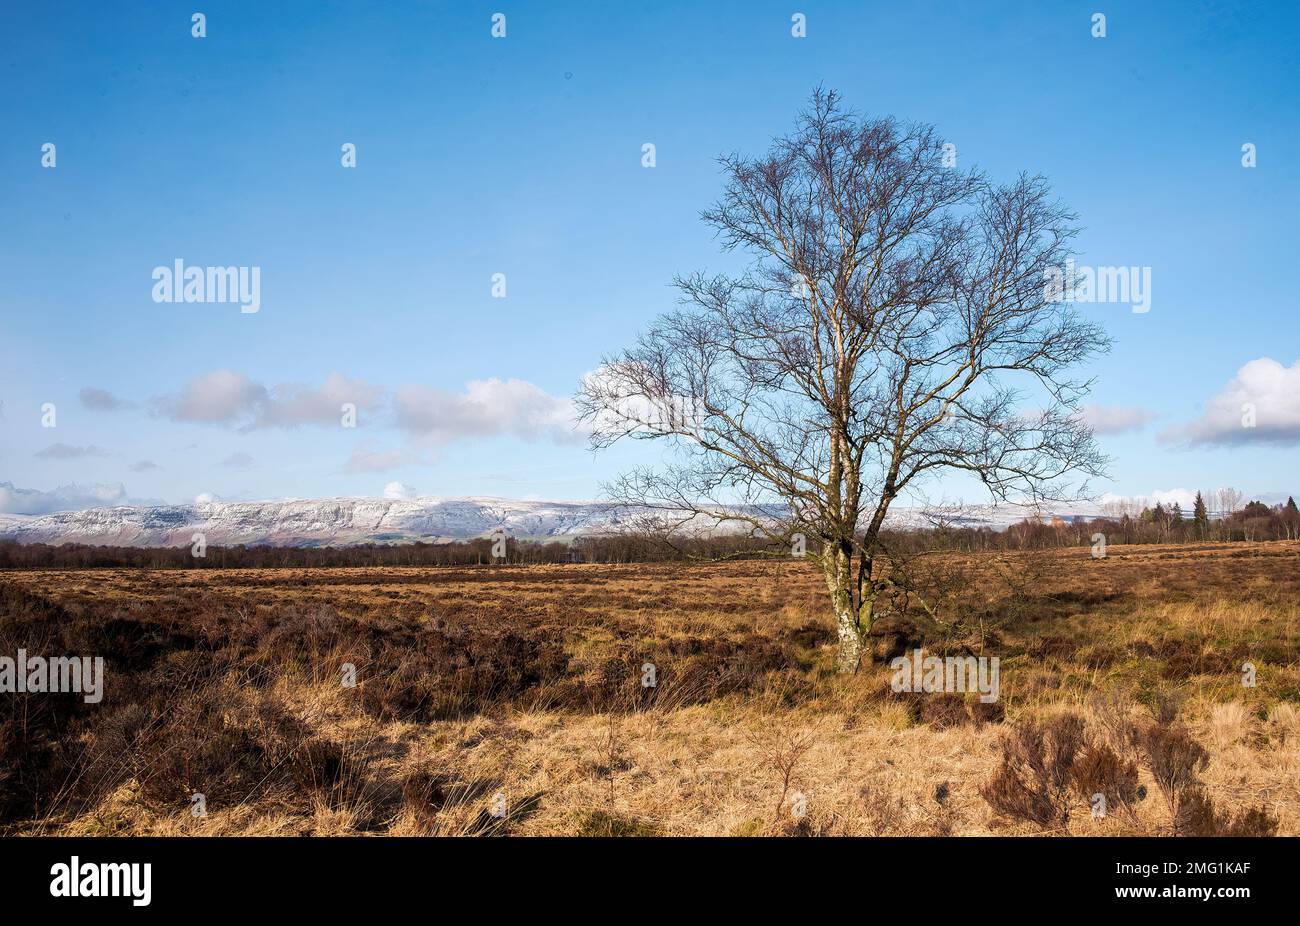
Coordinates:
x,y
351,521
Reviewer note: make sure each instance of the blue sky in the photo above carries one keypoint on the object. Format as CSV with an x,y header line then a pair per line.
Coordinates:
x,y
522,156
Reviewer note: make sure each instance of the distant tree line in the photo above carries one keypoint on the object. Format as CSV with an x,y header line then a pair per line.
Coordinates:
x,y
1169,523
630,548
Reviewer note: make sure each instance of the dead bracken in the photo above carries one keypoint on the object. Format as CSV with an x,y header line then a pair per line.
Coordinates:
x,y
654,699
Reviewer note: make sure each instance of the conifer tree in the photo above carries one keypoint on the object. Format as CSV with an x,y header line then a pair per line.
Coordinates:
x,y
1201,515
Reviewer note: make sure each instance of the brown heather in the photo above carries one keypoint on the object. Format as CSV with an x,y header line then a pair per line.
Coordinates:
x,y
520,687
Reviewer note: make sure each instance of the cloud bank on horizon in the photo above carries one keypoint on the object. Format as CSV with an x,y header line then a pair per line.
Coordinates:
x,y
14,500
1260,405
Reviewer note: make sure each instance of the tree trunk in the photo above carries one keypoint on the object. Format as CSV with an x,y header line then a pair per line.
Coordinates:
x,y
838,566
850,654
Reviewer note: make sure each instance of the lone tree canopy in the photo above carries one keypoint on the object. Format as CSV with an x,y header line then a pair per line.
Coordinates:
x,y
894,325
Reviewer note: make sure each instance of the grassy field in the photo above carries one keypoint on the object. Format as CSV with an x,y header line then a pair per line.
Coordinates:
x,y
512,700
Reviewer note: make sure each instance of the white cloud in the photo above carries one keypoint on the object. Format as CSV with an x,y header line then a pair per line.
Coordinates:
x,y
1264,387
64,498
219,397
1184,498
228,397
292,404
487,408
238,460
1117,419
400,490
101,400
70,452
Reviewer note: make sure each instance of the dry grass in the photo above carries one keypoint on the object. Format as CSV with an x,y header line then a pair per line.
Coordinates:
x,y
510,699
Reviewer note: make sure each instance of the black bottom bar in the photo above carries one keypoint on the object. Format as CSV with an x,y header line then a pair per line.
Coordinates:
x,y
335,875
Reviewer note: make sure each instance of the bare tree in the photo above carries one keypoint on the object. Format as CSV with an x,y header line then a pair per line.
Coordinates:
x,y
884,334
1229,501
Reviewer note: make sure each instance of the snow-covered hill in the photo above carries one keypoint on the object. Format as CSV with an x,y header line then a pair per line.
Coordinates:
x,y
312,522
344,521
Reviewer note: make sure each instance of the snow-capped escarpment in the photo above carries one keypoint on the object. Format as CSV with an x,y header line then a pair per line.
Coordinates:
x,y
346,521
314,522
